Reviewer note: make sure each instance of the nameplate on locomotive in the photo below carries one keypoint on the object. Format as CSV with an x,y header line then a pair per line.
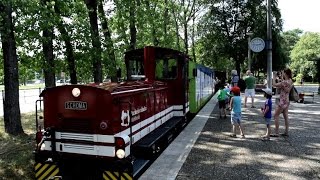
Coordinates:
x,y
75,105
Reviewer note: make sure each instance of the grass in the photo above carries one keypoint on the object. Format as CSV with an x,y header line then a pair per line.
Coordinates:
x,y
16,158
29,86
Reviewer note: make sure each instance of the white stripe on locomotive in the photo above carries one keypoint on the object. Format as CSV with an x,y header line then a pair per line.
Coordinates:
x,y
109,151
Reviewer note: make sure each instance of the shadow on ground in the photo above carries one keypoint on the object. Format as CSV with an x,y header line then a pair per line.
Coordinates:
x,y
215,155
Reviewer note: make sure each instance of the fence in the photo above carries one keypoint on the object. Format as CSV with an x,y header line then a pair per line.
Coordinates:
x,y
27,100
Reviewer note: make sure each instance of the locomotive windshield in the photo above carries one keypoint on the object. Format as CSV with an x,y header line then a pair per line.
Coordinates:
x,y
136,69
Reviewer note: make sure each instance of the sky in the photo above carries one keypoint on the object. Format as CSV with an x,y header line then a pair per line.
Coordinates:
x,y
302,14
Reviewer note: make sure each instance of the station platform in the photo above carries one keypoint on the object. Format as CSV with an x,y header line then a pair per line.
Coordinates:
x,y
204,149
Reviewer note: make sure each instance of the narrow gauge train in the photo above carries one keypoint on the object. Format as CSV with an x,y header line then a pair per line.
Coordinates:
x,y
113,130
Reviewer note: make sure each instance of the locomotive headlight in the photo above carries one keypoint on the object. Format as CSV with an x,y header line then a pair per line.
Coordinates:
x,y
120,153
76,92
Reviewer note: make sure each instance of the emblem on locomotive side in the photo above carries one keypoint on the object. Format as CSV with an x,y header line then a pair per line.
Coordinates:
x,y
125,117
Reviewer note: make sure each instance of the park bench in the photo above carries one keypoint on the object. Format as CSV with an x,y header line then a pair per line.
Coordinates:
x,y
302,96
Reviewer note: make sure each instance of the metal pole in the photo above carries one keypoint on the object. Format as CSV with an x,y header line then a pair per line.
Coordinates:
x,y
249,53
269,44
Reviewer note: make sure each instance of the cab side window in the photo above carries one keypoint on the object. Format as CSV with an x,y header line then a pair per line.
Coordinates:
x,y
166,69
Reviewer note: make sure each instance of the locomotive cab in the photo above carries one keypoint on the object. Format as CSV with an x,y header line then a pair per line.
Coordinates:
x,y
155,64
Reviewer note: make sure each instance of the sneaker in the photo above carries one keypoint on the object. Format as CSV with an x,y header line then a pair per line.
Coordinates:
x,y
274,135
264,138
233,135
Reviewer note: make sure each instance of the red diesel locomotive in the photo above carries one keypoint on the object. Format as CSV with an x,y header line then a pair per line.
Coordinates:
x,y
113,130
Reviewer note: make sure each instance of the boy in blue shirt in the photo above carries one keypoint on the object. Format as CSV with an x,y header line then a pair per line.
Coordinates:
x,y
266,112
235,105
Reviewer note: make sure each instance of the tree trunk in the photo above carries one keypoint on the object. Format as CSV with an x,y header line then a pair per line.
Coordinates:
x,y
177,29
69,49
193,43
110,48
11,107
165,24
96,53
185,26
47,44
153,31
238,64
133,30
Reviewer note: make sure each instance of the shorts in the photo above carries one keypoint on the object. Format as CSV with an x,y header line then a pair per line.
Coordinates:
x,y
227,101
235,118
249,92
268,120
222,104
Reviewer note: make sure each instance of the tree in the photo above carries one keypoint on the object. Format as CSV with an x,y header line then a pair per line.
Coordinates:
x,y
288,41
47,43
302,54
96,43
132,25
226,24
69,47
11,107
111,64
290,38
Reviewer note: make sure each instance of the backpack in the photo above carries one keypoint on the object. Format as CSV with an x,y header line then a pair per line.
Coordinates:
x,y
294,95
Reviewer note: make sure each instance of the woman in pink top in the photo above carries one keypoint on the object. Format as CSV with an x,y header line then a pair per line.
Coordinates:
x,y
282,107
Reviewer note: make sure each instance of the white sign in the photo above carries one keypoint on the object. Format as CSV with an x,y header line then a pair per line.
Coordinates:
x,y
257,44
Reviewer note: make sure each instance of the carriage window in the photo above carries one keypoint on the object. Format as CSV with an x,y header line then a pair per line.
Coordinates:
x,y
136,70
166,69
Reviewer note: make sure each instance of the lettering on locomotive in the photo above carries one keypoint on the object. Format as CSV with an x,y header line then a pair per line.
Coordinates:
x,y
76,105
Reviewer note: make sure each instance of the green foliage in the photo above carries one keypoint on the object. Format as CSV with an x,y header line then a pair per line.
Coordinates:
x,y
302,54
225,26
220,38
290,38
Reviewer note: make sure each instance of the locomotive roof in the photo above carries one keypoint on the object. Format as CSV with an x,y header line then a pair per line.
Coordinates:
x,y
110,86
159,52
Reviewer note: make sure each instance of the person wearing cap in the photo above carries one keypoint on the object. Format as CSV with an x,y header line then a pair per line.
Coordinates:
x,y
235,78
235,105
250,88
266,112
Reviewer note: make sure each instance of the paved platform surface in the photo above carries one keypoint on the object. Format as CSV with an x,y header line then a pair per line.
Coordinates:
x,y
204,149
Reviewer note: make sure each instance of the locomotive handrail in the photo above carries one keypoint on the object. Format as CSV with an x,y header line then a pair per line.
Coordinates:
x,y
37,124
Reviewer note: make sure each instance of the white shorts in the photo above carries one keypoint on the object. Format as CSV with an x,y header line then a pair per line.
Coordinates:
x,y
249,92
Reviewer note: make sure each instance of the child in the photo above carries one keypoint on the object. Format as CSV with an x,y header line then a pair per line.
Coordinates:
x,y
235,105
227,89
266,111
222,100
